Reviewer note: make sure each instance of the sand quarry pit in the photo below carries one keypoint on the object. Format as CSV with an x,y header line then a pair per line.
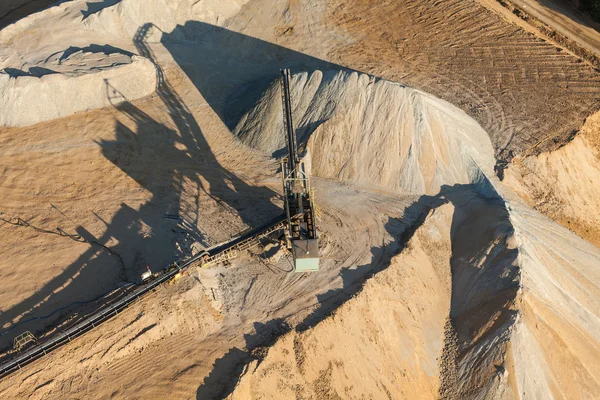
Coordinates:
x,y
455,162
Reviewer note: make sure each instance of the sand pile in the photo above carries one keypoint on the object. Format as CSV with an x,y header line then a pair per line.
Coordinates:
x,y
504,266
554,350
565,183
71,81
123,18
48,74
372,132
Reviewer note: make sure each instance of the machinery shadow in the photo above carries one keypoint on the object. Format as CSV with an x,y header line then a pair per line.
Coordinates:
x,y
197,160
96,272
232,70
153,234
164,159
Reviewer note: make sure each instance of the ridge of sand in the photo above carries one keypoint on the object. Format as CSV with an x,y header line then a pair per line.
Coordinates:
x,y
564,184
502,267
372,132
48,79
27,100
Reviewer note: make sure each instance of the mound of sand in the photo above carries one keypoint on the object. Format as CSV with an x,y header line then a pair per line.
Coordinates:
x,y
511,287
372,132
123,18
554,350
71,81
51,73
565,183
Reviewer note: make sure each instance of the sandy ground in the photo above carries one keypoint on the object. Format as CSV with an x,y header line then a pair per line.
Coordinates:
x,y
155,177
370,329
564,184
564,19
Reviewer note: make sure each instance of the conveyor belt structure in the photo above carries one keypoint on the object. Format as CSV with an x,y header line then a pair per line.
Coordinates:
x,y
216,254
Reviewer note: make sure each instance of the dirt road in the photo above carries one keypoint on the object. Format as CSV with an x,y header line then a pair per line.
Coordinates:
x,y
564,20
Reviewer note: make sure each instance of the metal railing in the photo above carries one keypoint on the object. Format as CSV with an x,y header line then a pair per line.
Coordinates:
x,y
244,241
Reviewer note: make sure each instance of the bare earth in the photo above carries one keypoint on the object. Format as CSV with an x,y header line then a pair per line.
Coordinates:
x,y
562,18
438,280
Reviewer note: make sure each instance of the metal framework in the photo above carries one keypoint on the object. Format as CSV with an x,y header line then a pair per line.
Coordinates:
x,y
23,340
298,196
244,241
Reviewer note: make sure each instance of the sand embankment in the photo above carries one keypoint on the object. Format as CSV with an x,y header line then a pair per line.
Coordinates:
x,y
27,100
511,295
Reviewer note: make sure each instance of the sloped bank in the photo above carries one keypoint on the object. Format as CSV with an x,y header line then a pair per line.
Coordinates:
x,y
516,303
26,99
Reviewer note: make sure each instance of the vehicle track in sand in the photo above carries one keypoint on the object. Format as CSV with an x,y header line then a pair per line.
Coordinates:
x,y
560,16
519,87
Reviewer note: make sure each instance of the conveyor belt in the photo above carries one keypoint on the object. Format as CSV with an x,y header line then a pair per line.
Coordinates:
x,y
107,313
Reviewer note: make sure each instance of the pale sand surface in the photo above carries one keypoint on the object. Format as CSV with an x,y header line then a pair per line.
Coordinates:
x,y
436,277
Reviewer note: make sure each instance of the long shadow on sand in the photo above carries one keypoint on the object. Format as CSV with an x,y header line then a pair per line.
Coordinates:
x,y
232,70
161,160
480,293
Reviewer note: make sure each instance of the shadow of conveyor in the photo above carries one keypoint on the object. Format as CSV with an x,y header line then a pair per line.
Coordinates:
x,y
161,160
95,272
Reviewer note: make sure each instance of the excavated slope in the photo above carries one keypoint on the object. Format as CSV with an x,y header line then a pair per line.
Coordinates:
x,y
565,183
489,299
